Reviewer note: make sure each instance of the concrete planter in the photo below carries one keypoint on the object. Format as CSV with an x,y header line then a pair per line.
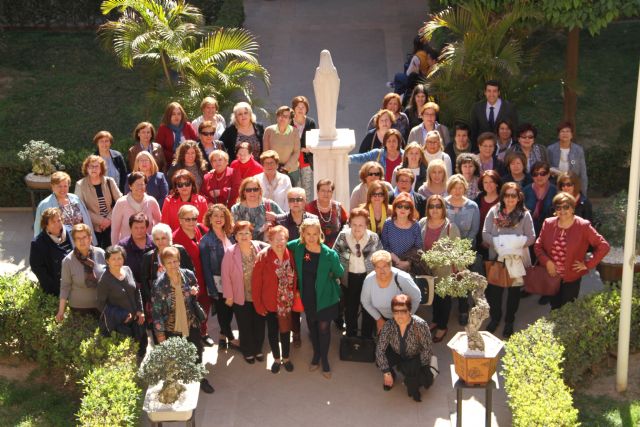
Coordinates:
x,y
37,182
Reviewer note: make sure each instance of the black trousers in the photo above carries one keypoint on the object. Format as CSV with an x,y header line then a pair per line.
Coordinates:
x,y
415,375
441,311
295,323
225,316
277,338
352,307
569,292
320,334
194,337
494,298
251,328
138,332
103,238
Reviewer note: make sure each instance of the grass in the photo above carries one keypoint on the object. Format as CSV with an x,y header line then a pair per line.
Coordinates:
x,y
31,405
602,411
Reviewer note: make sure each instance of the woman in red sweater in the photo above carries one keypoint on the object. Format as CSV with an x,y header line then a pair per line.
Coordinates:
x,y
221,185
183,192
245,164
568,260
273,287
174,128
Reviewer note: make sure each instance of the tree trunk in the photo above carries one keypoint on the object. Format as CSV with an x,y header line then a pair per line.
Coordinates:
x,y
571,76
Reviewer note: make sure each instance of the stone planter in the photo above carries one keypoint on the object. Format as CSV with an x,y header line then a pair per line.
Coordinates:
x,y
475,367
181,410
38,182
610,268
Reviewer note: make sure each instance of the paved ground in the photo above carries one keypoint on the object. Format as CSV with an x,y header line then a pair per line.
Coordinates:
x,y
368,40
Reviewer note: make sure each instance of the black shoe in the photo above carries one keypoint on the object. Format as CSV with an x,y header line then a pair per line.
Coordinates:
x,y
288,366
206,387
222,343
250,360
207,341
463,319
544,300
275,368
416,396
260,357
386,387
492,326
339,324
524,294
508,330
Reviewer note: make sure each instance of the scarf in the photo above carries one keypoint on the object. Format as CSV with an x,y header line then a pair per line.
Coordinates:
x,y
383,218
504,220
137,207
58,240
284,297
177,135
540,193
181,325
90,279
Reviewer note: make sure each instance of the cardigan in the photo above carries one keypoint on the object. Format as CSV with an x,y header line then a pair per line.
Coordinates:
x,y
377,300
329,272
490,230
165,139
359,194
232,272
72,280
172,205
230,137
119,163
157,187
286,144
87,193
45,260
264,282
309,124
119,293
123,210
51,202
192,247
417,338
344,251
211,254
581,235
228,186
370,141
277,192
577,163
156,152
417,134
248,169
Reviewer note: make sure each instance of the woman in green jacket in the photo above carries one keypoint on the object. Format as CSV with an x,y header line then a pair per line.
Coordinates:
x,y
317,265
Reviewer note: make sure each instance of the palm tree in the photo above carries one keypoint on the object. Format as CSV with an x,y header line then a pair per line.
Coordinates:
x,y
482,45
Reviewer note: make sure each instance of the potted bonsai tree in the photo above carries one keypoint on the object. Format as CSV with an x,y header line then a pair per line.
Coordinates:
x,y
174,363
475,352
44,160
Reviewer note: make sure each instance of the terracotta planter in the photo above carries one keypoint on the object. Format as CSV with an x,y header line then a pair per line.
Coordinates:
x,y
613,272
473,367
38,182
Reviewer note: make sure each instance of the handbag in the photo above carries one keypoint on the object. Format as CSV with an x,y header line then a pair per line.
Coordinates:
x,y
537,281
357,349
198,310
297,306
497,274
418,266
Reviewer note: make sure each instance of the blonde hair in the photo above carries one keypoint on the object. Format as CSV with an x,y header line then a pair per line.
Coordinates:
x,y
310,222
433,164
380,256
239,106
455,180
147,155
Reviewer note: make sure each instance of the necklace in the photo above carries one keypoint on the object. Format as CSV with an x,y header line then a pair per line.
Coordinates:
x,y
322,218
215,175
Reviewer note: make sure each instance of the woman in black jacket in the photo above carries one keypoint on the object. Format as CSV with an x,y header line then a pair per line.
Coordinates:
x,y
116,166
243,128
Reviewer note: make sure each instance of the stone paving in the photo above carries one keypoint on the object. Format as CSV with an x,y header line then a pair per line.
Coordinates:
x,y
368,41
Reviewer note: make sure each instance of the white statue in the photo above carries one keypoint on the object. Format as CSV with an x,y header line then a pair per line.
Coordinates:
x,y
326,86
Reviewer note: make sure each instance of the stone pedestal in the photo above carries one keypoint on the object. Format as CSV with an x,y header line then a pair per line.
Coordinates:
x,y
331,161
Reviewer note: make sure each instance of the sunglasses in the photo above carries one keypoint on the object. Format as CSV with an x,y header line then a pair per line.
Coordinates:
x,y
543,173
252,190
358,250
566,184
207,133
434,206
403,206
564,207
183,184
296,199
510,195
378,174
190,219
405,311
377,194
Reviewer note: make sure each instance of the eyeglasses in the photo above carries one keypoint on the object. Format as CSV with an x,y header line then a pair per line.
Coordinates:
x,y
434,206
405,311
358,250
564,207
377,194
541,173
566,184
296,199
252,189
243,233
183,184
191,219
403,206
207,133
526,136
510,195
378,174
404,181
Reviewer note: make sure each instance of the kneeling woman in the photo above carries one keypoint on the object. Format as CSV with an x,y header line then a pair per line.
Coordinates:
x,y
405,342
273,287
319,270
174,297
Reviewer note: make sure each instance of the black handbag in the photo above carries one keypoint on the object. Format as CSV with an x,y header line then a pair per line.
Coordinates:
x,y
198,310
357,349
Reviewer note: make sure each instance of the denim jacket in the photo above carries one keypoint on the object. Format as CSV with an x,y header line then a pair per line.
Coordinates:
x,y
467,218
211,254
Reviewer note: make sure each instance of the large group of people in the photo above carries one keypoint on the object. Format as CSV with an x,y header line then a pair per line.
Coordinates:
x,y
206,217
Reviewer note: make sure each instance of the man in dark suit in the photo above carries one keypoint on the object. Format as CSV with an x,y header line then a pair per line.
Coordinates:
x,y
486,114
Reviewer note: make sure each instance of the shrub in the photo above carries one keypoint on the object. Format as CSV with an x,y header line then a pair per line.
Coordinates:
x,y
536,393
231,14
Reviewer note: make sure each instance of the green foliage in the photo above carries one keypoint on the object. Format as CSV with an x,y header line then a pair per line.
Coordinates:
x,y
43,157
231,14
600,158
175,359
612,217
602,411
455,253
533,379
51,13
74,347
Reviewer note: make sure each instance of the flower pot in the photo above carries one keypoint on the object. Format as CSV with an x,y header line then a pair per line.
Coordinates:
x,y
38,182
475,367
180,410
612,272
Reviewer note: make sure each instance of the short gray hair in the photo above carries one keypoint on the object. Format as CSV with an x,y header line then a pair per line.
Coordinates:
x,y
162,228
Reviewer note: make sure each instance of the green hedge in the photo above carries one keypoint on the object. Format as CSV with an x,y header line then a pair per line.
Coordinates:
x,y
565,349
104,368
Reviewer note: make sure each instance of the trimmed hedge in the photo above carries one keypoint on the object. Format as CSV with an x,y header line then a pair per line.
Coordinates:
x,y
105,368
565,349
